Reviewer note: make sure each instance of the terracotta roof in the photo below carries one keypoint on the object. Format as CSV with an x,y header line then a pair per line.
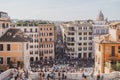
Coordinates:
x,y
114,23
14,35
101,39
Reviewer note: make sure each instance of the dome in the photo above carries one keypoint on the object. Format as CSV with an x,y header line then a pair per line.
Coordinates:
x,y
100,16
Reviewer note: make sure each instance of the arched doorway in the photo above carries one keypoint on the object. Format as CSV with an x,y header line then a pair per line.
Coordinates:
x,y
3,25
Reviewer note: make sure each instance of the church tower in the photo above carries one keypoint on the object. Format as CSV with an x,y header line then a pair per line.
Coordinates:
x,y
100,16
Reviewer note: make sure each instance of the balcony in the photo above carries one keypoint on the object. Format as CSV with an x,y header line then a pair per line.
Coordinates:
x,y
72,30
113,57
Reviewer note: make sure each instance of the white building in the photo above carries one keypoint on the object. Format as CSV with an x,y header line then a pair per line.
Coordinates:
x,y
5,22
78,39
100,25
31,30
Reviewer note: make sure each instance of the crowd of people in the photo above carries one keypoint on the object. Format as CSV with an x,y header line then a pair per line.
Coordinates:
x,y
54,67
76,63
17,75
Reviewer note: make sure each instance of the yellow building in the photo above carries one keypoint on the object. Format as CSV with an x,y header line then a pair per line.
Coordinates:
x,y
47,40
14,48
107,49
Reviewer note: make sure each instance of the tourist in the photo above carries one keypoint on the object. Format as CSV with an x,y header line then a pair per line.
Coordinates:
x,y
98,76
48,77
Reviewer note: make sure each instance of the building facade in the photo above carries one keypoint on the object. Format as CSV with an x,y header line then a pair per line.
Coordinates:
x,y
107,49
5,22
31,29
100,26
78,39
47,41
14,49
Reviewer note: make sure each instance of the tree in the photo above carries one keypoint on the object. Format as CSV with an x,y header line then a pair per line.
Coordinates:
x,y
118,66
21,64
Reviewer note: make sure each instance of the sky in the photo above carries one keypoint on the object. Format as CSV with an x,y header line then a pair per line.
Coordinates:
x,y
63,10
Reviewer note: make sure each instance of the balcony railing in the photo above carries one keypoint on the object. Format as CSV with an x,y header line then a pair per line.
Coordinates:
x,y
116,55
72,30
113,57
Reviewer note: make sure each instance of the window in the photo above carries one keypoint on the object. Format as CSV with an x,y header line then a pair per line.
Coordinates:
x,y
31,46
90,48
80,28
85,33
45,34
31,52
50,28
1,60
40,53
85,28
3,25
80,33
36,58
80,49
71,28
119,36
68,38
50,39
85,48
7,25
25,30
1,47
85,38
50,58
50,51
90,33
36,52
50,34
90,55
70,33
40,28
41,40
30,30
31,59
45,51
85,55
35,30
119,49
79,44
90,43
113,50
84,43
8,60
90,38
50,45
79,55
26,46
72,44
90,28
8,47
99,48
80,38
45,39
72,39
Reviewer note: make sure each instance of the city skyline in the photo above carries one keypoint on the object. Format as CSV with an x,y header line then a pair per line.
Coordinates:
x,y
63,10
